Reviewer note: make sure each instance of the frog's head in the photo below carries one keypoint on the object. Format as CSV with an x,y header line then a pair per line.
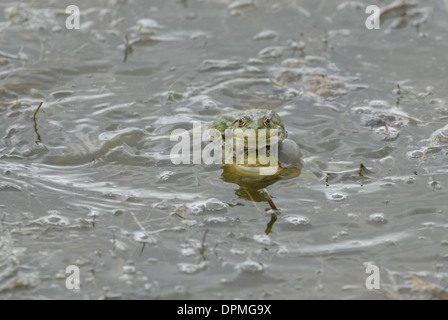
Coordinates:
x,y
251,121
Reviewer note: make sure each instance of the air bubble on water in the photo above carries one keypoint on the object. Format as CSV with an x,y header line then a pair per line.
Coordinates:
x,y
119,245
189,268
54,218
143,237
129,269
250,266
336,196
188,252
377,218
237,251
209,205
164,205
387,133
93,214
297,220
415,154
263,239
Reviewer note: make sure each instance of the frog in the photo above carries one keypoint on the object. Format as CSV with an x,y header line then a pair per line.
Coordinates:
x,y
251,123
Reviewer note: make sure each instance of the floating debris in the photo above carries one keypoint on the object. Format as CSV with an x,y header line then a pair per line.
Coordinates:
x,y
179,210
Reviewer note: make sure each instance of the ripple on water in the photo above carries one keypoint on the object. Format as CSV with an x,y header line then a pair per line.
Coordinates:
x,y
218,221
387,133
53,218
250,266
144,237
297,220
440,135
226,64
190,268
263,239
414,154
271,52
9,187
207,206
336,196
188,252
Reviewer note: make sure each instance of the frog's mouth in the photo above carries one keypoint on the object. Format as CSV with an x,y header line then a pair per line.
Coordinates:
x,y
251,153
256,162
252,170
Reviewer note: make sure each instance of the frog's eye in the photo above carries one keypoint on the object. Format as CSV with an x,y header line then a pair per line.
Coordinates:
x,y
242,122
266,122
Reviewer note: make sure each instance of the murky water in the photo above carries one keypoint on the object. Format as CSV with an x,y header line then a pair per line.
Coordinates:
x,y
88,180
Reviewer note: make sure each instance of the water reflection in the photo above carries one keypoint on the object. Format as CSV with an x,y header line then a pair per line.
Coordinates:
x,y
251,187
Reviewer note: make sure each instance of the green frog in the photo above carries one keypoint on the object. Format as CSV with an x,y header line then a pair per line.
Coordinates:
x,y
252,178
251,124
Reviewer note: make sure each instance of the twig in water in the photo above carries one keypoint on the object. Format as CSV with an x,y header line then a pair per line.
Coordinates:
x,y
141,228
361,169
35,123
269,199
251,198
181,209
127,48
202,249
137,222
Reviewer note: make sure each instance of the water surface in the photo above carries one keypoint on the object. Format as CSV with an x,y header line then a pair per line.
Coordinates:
x,y
88,180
